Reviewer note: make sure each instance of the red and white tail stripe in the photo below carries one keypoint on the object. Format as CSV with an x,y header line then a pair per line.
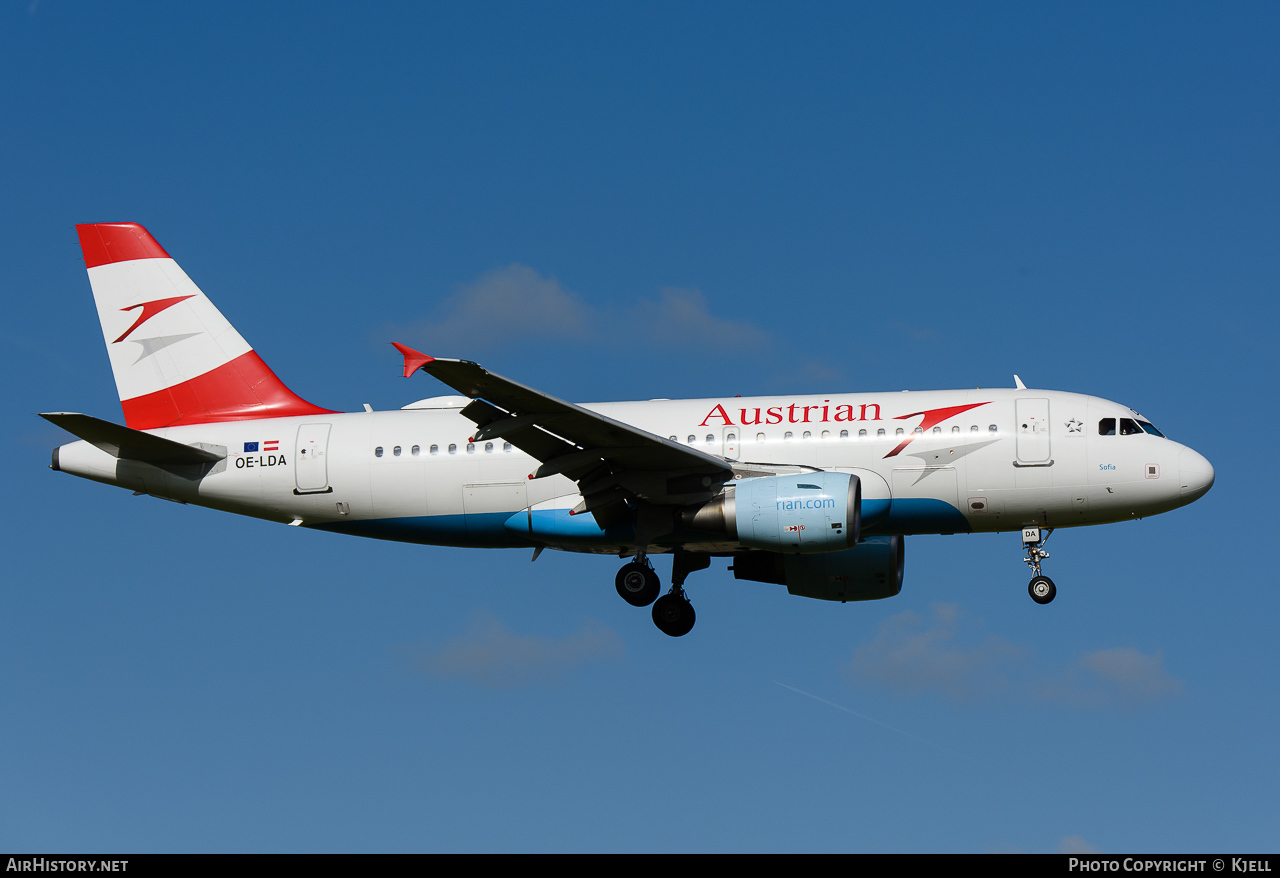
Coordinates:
x,y
176,359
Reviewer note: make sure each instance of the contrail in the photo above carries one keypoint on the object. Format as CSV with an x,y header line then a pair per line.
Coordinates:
x,y
868,719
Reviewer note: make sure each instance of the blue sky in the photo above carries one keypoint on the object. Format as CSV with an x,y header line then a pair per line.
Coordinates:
x,y
656,200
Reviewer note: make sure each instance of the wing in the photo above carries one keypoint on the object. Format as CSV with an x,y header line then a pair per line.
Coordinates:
x,y
610,461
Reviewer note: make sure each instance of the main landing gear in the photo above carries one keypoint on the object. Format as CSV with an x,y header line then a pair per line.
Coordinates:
x,y
673,614
638,585
1041,588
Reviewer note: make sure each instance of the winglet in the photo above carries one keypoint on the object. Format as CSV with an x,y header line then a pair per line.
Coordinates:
x,y
413,360
1017,382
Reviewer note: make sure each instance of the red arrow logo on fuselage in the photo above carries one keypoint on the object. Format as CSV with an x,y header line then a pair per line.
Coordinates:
x,y
932,417
149,310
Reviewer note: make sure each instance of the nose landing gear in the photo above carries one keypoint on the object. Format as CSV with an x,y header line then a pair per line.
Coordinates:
x,y
1041,588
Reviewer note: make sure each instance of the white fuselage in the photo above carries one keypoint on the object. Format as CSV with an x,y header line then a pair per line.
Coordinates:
x,y
1003,460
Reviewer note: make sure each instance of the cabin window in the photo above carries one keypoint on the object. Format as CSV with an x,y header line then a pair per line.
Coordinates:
x,y
1107,427
416,450
453,449
377,452
435,449
673,438
862,434
918,430
899,431
973,429
807,435
488,448
711,439
880,432
693,439
731,437
506,446
937,429
396,451
955,429
759,437
826,434
471,448
786,437
991,429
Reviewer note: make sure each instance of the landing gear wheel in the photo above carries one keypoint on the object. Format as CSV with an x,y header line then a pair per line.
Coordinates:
x,y
1042,589
637,584
673,614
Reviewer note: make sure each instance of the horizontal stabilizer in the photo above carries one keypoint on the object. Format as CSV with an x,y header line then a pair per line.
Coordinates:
x,y
129,444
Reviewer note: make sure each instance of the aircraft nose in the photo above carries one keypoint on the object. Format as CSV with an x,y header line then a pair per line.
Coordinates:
x,y
1195,475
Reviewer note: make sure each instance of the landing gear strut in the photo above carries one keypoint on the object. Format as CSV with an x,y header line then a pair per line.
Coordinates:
x,y
1041,588
673,614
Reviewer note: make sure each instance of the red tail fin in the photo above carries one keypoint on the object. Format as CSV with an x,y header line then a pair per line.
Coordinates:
x,y
176,359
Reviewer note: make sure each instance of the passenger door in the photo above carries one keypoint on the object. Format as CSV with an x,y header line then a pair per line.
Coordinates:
x,y
1032,430
310,464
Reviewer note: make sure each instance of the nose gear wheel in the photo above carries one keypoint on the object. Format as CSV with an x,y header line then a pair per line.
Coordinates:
x,y
1042,589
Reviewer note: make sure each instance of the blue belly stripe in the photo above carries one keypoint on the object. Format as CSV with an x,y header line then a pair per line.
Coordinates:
x,y
921,516
496,530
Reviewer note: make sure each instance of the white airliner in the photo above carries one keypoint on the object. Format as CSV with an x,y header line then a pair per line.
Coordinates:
x,y
812,492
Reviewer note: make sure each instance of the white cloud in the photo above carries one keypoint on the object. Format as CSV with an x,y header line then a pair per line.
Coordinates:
x,y
1136,676
501,305
1075,844
682,317
917,654
951,654
490,654
913,332
517,302
1122,675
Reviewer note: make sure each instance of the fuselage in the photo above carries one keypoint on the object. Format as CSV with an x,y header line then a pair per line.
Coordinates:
x,y
955,461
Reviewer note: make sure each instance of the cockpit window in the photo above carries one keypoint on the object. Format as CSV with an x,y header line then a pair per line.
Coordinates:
x,y
1107,427
1150,428
1129,427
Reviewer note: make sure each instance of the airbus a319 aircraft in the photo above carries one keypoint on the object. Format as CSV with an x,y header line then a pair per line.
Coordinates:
x,y
812,492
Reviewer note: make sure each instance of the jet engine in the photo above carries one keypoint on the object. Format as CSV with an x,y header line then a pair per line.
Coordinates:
x,y
869,571
804,513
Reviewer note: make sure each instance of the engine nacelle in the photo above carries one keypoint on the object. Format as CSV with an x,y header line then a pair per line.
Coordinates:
x,y
805,513
869,571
